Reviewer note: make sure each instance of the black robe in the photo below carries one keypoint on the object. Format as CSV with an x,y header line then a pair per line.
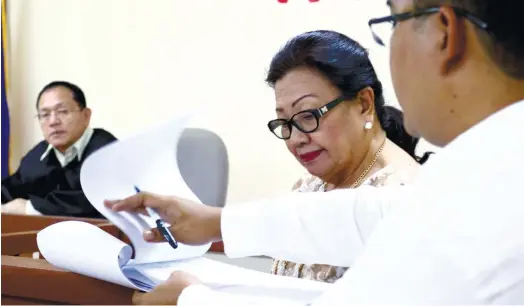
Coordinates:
x,y
51,188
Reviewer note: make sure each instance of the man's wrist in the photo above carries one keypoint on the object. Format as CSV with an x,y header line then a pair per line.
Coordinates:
x,y
215,222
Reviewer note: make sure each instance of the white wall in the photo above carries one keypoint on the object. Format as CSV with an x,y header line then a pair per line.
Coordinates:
x,y
141,61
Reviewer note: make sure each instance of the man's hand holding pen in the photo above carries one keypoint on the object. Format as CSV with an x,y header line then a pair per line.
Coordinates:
x,y
191,223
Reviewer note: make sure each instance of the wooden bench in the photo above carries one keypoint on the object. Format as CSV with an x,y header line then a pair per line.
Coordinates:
x,y
34,281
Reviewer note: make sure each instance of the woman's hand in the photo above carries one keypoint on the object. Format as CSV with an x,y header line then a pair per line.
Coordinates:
x,y
191,223
168,292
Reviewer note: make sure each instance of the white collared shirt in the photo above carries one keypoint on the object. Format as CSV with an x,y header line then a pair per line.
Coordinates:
x,y
456,235
74,151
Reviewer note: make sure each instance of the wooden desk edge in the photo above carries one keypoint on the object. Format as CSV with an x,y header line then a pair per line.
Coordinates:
x,y
20,223
22,278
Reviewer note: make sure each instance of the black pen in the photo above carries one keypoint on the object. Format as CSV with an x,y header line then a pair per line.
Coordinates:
x,y
160,225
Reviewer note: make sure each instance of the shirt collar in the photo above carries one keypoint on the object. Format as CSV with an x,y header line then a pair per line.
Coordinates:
x,y
489,129
487,140
76,150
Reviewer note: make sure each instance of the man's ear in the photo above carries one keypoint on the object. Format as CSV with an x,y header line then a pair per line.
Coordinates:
x,y
366,98
87,113
452,32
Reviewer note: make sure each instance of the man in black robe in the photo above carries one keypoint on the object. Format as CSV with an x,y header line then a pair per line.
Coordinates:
x,y
48,179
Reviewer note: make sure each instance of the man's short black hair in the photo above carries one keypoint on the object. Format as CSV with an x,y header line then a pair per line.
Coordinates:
x,y
78,94
504,40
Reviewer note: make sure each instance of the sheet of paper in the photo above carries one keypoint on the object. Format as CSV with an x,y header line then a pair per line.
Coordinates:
x,y
85,249
148,160
233,279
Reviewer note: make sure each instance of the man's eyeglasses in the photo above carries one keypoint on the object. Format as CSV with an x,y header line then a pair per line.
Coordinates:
x,y
60,113
382,28
306,121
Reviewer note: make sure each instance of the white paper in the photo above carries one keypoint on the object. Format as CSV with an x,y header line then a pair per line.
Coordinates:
x,y
232,279
85,249
147,160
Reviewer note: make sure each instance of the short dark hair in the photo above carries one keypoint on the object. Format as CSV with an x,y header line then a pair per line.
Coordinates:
x,y
78,94
504,39
346,64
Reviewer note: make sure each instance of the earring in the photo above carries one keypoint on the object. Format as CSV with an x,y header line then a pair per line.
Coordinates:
x,y
368,125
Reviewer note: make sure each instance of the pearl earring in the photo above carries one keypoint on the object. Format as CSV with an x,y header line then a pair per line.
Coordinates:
x,y
368,125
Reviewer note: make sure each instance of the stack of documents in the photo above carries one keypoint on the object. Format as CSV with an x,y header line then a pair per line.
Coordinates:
x,y
148,159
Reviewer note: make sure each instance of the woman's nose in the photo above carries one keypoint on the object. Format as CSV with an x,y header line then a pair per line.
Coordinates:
x,y
298,137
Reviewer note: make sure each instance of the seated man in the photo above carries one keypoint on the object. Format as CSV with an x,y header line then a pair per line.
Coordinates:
x,y
48,179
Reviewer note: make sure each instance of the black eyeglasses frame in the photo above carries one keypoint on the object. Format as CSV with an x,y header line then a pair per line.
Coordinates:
x,y
317,113
396,18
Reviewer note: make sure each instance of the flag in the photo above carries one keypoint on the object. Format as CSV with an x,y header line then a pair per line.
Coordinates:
x,y
5,109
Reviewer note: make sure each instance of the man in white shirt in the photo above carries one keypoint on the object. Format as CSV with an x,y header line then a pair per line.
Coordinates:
x,y
454,235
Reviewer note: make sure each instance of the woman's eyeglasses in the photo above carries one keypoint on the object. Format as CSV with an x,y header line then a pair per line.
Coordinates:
x,y
306,121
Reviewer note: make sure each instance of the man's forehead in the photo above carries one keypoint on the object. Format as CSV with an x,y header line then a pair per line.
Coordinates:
x,y
55,104
52,104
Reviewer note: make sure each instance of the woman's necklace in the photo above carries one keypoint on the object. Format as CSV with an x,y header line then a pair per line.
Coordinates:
x,y
365,172
280,265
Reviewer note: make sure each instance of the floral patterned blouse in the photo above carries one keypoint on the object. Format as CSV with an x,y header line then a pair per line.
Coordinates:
x,y
326,273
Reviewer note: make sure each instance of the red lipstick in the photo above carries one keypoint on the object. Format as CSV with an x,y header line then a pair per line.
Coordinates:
x,y
307,157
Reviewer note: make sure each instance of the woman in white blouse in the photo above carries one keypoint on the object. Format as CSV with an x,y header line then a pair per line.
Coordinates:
x,y
332,115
